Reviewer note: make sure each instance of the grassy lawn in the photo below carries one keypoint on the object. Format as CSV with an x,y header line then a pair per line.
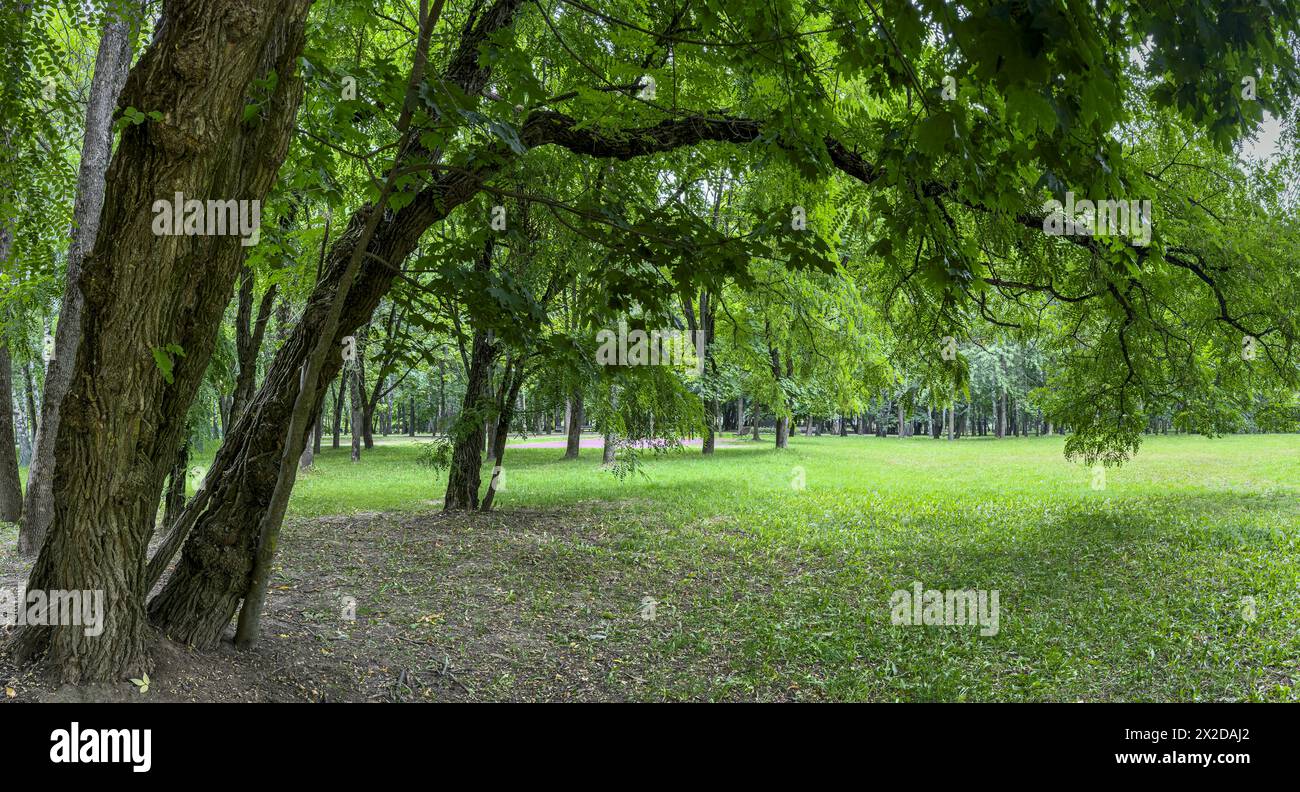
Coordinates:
x,y
1132,591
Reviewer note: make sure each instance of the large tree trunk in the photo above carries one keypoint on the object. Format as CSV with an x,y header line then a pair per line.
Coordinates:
x,y
122,419
111,65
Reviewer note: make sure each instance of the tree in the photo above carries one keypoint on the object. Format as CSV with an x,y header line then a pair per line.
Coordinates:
x,y
148,319
111,65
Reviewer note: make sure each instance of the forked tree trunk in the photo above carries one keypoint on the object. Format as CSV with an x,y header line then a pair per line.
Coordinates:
x,y
782,432
122,419
248,339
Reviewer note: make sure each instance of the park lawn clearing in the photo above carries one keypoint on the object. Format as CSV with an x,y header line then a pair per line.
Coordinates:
x,y
765,575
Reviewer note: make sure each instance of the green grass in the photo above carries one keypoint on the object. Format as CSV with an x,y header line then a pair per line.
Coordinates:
x,y
1133,591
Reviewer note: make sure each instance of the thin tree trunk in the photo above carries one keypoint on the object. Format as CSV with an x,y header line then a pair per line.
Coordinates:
x,y
573,443
467,449
112,62
307,457
358,414
26,417
607,454
11,490
33,411
513,380
339,395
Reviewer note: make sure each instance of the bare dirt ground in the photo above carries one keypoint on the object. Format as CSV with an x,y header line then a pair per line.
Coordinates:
x,y
522,605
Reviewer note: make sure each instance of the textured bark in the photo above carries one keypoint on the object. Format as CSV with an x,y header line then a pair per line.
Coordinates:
x,y
112,62
121,419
